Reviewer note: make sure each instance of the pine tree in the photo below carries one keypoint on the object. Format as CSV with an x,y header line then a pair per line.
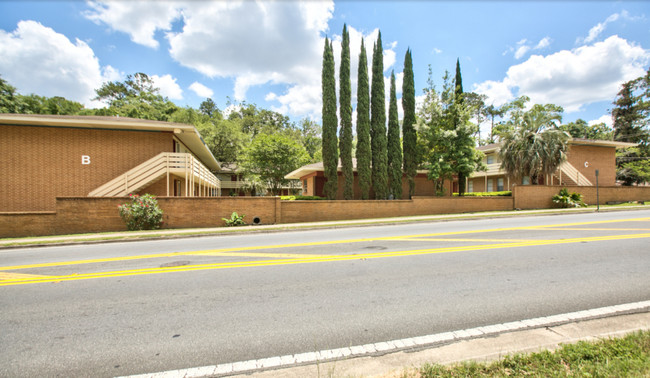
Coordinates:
x,y
330,123
363,126
409,134
394,146
345,109
378,124
458,99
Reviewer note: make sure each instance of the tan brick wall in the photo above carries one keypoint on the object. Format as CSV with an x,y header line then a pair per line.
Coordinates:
x,y
46,162
27,224
540,196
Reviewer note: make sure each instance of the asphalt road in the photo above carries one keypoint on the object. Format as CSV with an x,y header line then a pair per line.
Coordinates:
x,y
138,307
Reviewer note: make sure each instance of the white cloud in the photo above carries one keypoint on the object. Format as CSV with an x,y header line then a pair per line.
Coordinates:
x,y
129,17
524,47
572,78
201,90
595,31
36,59
168,86
606,119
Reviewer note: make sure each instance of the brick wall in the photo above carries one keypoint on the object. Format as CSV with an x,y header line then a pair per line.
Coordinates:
x,y
539,196
27,224
47,162
596,157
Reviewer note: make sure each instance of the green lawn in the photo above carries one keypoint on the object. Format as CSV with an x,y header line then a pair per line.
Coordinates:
x,y
621,357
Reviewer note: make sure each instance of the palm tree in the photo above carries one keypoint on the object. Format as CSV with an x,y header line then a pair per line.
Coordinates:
x,y
535,147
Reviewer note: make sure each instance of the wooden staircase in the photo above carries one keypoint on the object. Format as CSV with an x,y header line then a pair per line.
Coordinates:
x,y
569,175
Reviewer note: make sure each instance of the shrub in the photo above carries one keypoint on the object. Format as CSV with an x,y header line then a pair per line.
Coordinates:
x,y
235,220
142,213
566,199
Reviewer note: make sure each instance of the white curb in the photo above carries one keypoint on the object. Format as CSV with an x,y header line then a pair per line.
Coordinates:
x,y
393,345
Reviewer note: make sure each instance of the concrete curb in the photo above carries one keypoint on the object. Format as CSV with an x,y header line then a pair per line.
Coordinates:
x,y
409,344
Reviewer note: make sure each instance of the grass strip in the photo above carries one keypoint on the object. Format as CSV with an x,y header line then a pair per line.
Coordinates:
x,y
615,357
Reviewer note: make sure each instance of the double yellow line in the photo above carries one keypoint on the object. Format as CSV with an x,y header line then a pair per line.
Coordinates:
x,y
280,259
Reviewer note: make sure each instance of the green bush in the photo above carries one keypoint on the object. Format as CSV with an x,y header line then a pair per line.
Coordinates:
x,y
301,198
235,220
142,213
566,199
506,193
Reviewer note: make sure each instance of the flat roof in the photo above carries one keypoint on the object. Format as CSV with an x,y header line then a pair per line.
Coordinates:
x,y
187,134
577,141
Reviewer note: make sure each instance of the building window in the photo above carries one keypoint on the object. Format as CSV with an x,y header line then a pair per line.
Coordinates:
x,y
304,186
490,159
525,180
490,186
470,186
500,184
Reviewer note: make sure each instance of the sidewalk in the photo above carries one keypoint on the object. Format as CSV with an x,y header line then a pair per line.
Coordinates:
x,y
215,231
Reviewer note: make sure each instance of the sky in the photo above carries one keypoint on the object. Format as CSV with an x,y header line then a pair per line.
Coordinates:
x,y
575,54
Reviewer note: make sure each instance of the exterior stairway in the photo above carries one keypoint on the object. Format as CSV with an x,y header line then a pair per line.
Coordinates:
x,y
181,165
569,175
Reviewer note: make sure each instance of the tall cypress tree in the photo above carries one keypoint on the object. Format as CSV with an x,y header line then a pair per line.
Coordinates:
x,y
394,145
409,134
330,122
345,109
363,126
378,123
458,99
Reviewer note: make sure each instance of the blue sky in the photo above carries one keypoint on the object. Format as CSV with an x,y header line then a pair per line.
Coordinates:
x,y
574,54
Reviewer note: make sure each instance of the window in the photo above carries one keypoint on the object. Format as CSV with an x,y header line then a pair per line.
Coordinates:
x,y
304,186
500,184
490,159
525,180
470,186
490,187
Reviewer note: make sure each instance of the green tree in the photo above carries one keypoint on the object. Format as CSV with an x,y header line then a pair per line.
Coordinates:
x,y
464,155
492,112
330,123
7,97
364,153
271,157
409,133
478,109
394,145
311,139
581,129
631,115
209,108
136,97
535,147
345,109
378,123
449,142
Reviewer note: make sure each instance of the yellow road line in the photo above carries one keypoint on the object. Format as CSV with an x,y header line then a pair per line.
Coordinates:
x,y
216,252
592,229
4,276
309,259
261,254
469,240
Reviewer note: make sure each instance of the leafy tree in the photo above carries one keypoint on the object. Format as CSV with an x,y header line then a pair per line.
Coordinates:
x,y
363,126
311,139
345,108
136,97
330,123
271,157
580,129
209,108
378,124
493,111
7,97
535,147
448,134
476,104
409,133
394,146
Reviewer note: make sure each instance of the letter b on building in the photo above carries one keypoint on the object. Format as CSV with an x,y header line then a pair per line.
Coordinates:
x,y
85,159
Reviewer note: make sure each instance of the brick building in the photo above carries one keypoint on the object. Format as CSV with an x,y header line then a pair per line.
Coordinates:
x,y
584,156
49,156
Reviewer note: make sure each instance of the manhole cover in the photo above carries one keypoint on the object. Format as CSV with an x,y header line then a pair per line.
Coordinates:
x,y
375,247
174,263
